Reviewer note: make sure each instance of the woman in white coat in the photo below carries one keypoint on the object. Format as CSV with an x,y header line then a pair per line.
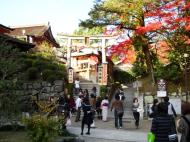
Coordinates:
x,y
104,107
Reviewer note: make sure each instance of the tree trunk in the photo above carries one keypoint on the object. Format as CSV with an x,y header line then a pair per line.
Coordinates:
x,y
149,63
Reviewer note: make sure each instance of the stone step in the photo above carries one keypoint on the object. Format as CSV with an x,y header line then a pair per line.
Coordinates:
x,y
89,86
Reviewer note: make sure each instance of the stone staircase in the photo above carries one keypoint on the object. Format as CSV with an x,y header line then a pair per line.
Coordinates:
x,y
84,84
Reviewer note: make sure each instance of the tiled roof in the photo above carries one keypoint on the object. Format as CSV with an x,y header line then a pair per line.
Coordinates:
x,y
5,27
36,30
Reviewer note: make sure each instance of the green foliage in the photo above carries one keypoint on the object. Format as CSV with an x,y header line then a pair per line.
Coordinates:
x,y
103,91
89,31
9,99
39,64
32,73
9,65
41,129
122,76
171,72
69,87
46,73
27,63
138,69
51,78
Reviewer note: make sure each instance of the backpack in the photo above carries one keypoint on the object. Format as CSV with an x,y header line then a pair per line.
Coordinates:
x,y
188,122
171,110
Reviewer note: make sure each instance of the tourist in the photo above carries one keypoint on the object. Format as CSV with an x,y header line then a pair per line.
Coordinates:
x,y
117,105
86,94
183,124
136,114
154,109
78,103
98,107
162,125
87,117
94,91
77,86
71,103
81,93
170,108
104,107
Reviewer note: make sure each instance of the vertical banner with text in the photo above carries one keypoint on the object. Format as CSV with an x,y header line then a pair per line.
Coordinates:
x,y
104,73
70,75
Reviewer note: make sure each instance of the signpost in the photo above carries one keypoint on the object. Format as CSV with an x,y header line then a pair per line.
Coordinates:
x,y
103,74
161,91
70,75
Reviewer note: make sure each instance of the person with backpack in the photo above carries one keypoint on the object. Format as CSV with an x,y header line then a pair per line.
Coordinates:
x,y
171,110
183,124
154,109
88,115
163,126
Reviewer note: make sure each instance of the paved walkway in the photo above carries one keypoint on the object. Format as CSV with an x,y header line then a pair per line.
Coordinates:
x,y
106,132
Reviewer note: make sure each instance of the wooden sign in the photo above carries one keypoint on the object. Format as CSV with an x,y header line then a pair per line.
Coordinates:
x,y
70,75
161,90
104,74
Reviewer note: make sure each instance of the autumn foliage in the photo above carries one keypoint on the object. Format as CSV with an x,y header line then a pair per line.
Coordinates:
x,y
158,18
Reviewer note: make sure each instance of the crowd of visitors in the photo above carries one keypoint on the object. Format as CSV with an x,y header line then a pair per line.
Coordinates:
x,y
165,122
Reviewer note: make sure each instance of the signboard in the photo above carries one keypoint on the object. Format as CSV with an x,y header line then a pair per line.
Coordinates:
x,y
161,85
70,75
161,94
100,75
161,90
104,74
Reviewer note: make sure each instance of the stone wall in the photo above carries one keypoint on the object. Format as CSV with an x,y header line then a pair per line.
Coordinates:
x,y
44,89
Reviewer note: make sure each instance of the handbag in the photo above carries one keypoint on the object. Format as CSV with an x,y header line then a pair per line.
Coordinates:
x,y
151,137
139,109
119,112
173,133
68,123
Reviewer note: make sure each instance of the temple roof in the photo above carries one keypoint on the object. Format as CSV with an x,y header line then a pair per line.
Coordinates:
x,y
5,27
33,30
36,31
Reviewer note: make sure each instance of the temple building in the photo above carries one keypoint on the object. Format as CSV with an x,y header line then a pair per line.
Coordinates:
x,y
4,35
35,34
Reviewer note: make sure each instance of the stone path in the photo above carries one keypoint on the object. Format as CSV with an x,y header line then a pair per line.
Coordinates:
x,y
117,135
105,131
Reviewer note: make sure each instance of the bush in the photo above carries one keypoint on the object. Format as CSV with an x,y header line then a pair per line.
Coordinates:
x,y
41,129
122,77
46,74
39,64
32,73
51,66
103,91
51,78
27,63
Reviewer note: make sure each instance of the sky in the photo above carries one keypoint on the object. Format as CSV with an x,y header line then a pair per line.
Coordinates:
x,y
63,15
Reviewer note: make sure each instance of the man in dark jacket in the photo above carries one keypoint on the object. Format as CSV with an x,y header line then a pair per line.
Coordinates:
x,y
162,124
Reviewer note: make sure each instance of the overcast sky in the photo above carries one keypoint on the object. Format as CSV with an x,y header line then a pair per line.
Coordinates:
x,y
63,15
